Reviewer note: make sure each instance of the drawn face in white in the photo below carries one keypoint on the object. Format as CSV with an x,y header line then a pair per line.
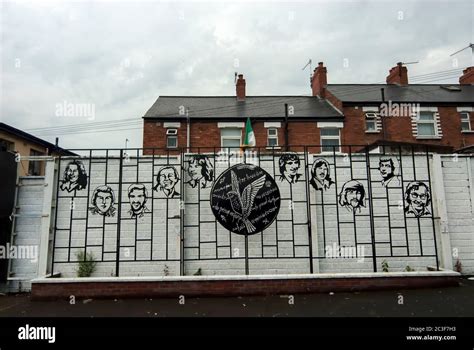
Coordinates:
x,y
419,198
321,172
103,202
291,167
385,169
72,173
168,179
353,198
195,170
137,199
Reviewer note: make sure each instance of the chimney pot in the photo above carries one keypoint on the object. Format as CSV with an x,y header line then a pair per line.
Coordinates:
x,y
319,80
467,77
398,75
240,88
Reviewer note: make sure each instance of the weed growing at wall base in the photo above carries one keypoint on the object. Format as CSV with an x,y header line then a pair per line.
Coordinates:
x,y
87,264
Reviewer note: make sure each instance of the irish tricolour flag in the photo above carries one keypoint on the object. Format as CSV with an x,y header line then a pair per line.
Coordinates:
x,y
249,139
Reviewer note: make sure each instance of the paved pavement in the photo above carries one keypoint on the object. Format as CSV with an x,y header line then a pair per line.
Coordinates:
x,y
436,302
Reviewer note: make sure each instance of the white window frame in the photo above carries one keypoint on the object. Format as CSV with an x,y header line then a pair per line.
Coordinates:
x,y
432,122
372,117
468,121
326,137
224,149
170,135
272,137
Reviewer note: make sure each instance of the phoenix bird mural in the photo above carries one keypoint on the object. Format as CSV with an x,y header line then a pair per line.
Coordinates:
x,y
242,203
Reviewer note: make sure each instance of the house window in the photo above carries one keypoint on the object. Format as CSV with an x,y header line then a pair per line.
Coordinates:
x,y
330,140
426,124
272,137
370,121
34,166
231,138
172,138
465,121
6,146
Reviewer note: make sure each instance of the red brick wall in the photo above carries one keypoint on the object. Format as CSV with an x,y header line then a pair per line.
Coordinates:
x,y
207,134
399,129
154,135
201,287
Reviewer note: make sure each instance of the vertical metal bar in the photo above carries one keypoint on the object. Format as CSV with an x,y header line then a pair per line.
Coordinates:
x,y
308,210
354,218
417,219
103,216
337,206
403,196
56,214
261,233
246,236
152,202
276,219
182,213
371,211
199,219
87,211
215,221
136,219
230,234
119,215
432,211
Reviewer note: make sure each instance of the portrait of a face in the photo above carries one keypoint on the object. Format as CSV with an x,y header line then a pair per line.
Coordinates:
x,y
200,171
167,179
387,172
72,172
103,200
195,170
321,172
320,175
289,165
417,197
352,196
137,196
74,177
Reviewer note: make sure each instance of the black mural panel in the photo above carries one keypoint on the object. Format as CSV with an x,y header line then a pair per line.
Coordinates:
x,y
245,199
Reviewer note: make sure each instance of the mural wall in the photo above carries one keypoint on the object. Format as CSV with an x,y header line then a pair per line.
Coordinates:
x,y
214,214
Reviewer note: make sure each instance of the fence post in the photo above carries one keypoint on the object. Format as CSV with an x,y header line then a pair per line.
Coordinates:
x,y
119,214
371,212
441,213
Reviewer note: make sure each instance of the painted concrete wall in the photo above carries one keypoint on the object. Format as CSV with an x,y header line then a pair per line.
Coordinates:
x,y
208,246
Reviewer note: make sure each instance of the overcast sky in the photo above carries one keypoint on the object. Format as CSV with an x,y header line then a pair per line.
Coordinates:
x,y
120,56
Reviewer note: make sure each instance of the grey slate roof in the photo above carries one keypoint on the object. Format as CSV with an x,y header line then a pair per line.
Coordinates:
x,y
227,107
415,93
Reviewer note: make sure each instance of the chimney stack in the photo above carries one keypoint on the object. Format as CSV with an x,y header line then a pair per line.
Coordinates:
x,y
319,80
240,88
467,77
398,75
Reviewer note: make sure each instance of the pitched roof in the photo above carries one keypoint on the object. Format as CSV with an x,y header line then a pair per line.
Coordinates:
x,y
414,93
24,135
227,107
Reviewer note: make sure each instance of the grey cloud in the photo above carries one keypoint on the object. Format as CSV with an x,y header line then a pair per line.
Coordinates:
x,y
122,56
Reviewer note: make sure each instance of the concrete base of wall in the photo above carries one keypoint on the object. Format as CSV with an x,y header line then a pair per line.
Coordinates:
x,y
196,286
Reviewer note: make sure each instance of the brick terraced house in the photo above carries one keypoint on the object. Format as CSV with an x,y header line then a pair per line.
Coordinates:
x,y
398,113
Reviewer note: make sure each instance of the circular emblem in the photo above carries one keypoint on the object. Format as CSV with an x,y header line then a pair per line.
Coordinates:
x,y
245,199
